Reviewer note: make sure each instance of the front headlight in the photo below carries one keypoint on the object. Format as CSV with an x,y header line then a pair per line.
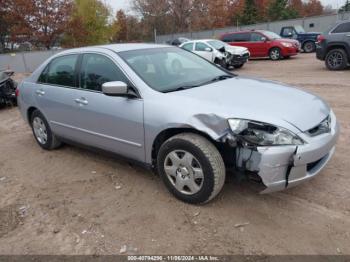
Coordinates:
x,y
262,134
287,44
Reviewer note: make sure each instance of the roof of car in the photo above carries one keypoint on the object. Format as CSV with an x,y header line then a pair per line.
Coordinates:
x,y
118,47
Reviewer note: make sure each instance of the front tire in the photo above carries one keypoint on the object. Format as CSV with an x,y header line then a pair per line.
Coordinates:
x,y
275,54
336,59
42,132
191,168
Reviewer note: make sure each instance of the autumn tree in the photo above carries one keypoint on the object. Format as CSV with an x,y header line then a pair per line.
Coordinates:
x,y
313,7
250,13
88,24
49,20
120,27
280,10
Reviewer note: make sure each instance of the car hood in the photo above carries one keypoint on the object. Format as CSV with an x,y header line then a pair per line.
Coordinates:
x,y
236,50
256,99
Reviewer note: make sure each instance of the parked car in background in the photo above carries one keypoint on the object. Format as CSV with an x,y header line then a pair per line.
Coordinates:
x,y
181,115
178,41
333,47
218,52
263,43
307,39
7,89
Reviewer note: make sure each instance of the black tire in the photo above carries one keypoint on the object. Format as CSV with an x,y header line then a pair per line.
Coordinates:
x,y
275,54
336,59
210,162
309,47
238,66
52,141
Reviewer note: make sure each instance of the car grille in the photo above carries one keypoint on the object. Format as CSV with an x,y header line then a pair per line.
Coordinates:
x,y
323,128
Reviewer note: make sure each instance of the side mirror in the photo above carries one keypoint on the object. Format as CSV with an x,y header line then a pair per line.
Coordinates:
x,y
116,88
264,39
208,49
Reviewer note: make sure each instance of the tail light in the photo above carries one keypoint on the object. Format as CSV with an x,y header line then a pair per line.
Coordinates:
x,y
320,39
17,92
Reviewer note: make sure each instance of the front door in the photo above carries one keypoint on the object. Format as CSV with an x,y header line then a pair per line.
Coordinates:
x,y
204,51
107,122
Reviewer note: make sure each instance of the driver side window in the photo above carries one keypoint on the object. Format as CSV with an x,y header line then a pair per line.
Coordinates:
x,y
97,70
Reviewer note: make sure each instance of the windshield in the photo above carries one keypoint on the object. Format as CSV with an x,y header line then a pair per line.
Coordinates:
x,y
171,69
299,29
217,44
271,35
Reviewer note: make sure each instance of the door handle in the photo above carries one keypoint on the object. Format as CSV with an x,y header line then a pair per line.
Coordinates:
x,y
81,101
40,92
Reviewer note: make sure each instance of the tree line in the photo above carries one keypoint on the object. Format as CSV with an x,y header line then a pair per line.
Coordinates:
x,y
73,23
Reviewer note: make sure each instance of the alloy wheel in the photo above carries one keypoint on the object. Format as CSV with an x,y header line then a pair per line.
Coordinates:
x,y
335,59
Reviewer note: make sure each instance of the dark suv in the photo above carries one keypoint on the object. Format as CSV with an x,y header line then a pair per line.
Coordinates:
x,y
334,47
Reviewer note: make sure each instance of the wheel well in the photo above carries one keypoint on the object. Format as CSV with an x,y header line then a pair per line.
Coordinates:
x,y
29,113
308,41
332,47
225,150
275,47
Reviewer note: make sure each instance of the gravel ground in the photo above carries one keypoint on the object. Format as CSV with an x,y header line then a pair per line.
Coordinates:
x,y
72,201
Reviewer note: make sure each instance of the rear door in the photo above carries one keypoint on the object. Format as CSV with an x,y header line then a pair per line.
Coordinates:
x,y
55,93
108,122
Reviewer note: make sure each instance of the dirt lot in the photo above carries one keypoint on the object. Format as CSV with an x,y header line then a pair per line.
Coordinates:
x,y
72,201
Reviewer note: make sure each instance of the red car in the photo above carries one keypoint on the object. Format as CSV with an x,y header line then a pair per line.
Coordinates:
x,y
263,43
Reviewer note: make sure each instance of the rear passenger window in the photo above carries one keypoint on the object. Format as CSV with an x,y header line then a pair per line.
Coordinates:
x,y
97,70
228,38
241,37
61,71
342,28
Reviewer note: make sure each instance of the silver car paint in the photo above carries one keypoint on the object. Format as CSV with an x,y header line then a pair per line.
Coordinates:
x,y
130,126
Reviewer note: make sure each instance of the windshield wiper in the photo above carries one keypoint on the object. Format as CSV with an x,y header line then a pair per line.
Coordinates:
x,y
181,88
215,79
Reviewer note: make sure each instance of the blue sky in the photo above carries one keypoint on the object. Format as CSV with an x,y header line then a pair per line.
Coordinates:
x,y
125,4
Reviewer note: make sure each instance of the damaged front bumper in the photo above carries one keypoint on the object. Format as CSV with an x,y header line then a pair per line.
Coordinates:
x,y
281,167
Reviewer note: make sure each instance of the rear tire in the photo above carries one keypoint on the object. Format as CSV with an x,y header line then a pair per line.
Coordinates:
x,y
42,132
336,59
309,47
275,54
191,168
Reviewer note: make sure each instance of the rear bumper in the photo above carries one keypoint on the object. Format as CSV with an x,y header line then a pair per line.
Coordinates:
x,y
320,52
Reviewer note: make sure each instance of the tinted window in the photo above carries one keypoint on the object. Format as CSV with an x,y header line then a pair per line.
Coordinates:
x,y
342,28
188,47
201,47
97,70
61,71
241,37
288,31
255,37
228,38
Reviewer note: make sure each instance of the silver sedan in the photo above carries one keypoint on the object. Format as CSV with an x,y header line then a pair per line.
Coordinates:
x,y
181,115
